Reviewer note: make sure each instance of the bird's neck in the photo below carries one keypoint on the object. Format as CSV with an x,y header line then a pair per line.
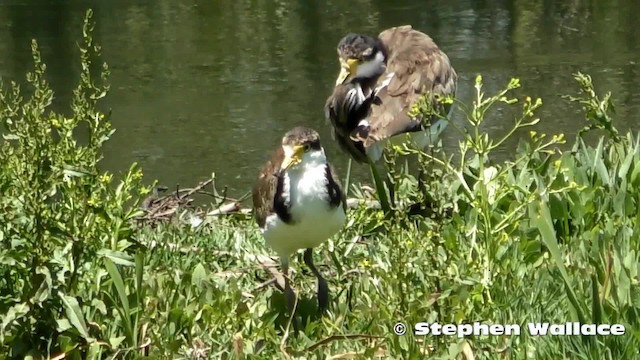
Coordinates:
x,y
370,71
312,167
305,185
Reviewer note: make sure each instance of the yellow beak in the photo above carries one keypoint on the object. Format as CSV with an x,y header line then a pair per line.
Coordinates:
x,y
292,158
347,68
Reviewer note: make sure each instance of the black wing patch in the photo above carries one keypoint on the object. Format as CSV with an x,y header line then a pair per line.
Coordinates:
x,y
344,109
333,189
280,203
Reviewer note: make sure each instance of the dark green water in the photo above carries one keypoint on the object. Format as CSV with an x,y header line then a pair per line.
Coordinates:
x,y
211,86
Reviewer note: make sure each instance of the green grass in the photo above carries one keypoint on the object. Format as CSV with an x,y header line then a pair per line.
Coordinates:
x,y
547,236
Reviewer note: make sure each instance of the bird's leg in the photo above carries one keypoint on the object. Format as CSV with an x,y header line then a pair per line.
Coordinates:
x,y
347,180
323,287
424,167
421,207
380,189
390,184
422,181
290,296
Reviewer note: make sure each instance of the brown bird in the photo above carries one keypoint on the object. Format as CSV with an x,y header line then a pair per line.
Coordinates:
x,y
299,203
380,79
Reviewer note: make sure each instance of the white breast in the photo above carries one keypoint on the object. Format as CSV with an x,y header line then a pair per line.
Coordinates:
x,y
314,220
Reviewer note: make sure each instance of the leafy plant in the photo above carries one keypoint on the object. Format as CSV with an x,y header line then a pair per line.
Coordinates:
x,y
546,236
59,215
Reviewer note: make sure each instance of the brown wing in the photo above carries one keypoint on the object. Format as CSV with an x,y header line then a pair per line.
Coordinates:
x,y
419,66
264,190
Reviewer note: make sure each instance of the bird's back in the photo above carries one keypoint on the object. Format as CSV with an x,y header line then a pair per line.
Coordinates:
x,y
264,190
418,66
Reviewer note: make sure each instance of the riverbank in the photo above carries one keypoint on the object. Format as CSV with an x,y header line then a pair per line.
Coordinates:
x,y
549,236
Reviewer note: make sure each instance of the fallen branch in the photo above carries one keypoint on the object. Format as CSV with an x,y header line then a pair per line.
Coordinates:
x,y
165,208
353,203
225,209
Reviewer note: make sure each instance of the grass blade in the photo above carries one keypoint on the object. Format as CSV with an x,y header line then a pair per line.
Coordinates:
x,y
74,314
542,220
347,179
596,306
118,283
139,291
118,257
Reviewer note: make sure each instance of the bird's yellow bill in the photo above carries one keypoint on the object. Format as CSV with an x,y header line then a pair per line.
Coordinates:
x,y
347,69
292,157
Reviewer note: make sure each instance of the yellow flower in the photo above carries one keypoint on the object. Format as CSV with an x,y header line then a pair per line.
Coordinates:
x,y
105,178
137,175
93,202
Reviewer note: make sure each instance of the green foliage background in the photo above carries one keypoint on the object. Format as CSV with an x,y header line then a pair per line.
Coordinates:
x,y
549,236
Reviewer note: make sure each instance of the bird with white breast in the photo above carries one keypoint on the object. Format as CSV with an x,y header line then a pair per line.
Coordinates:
x,y
299,203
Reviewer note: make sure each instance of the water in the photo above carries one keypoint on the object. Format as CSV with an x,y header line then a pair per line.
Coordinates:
x,y
211,86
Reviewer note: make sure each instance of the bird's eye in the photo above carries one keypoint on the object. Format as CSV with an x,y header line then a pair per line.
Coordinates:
x,y
307,147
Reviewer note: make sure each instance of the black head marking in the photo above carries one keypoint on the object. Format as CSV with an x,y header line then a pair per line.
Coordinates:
x,y
302,136
361,47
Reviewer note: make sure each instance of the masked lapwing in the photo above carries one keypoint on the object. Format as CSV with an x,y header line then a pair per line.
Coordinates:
x,y
380,79
299,203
